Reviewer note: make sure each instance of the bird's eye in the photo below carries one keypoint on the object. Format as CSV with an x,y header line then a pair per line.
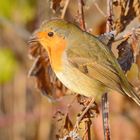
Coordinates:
x,y
50,34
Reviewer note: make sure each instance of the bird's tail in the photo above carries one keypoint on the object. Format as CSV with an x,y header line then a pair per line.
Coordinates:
x,y
129,90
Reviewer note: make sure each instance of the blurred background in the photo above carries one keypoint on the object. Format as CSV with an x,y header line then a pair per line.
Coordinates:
x,y
25,114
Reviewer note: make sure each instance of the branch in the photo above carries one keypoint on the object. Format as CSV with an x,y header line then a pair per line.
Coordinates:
x,y
105,114
105,103
64,9
99,9
81,14
128,34
83,113
110,16
88,126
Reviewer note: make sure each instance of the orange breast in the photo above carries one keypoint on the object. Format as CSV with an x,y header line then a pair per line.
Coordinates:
x,y
56,53
55,47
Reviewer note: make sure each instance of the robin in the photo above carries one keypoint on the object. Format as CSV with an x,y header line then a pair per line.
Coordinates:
x,y
81,61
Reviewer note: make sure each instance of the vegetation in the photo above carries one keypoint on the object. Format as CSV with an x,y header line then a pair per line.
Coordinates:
x,y
25,113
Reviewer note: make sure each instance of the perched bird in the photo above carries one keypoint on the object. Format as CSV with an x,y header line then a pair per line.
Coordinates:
x,y
81,61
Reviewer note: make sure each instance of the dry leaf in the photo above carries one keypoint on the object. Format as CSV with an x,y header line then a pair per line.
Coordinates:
x,y
125,55
128,10
57,5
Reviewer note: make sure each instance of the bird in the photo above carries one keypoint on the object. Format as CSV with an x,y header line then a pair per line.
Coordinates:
x,y
83,63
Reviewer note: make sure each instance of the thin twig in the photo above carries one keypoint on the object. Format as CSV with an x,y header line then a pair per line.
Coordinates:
x,y
81,14
128,34
64,9
99,9
110,16
85,132
83,113
125,35
105,114
88,125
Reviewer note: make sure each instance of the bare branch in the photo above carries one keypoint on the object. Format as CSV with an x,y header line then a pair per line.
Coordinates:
x,y
64,9
110,16
128,34
88,125
83,113
81,14
99,9
105,114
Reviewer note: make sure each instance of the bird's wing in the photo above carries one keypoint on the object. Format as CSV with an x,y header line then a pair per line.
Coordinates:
x,y
96,61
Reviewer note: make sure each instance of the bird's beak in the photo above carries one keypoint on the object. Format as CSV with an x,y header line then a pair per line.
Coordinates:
x,y
36,37
33,39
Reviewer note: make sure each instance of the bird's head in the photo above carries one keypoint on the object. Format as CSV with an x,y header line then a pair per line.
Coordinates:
x,y
54,37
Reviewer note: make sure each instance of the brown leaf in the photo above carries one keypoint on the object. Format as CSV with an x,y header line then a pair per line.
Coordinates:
x,y
34,50
125,55
56,5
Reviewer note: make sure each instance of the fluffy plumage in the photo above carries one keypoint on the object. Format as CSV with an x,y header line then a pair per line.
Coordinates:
x,y
82,62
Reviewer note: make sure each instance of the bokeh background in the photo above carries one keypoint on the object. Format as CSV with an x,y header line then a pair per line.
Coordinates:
x,y
25,114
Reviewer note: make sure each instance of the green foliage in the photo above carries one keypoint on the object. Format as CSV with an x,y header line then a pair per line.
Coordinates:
x,y
8,65
23,9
